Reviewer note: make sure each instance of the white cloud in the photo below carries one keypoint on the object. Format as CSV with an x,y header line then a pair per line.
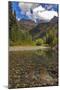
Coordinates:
x,y
28,13
27,6
39,8
39,12
47,15
24,6
44,14
18,19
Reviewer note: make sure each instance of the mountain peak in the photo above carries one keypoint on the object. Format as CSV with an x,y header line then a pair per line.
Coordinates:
x,y
54,19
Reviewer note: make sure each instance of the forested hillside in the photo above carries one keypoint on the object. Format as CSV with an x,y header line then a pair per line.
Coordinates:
x,y
18,34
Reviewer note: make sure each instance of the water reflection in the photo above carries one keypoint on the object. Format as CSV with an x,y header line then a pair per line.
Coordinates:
x,y
33,68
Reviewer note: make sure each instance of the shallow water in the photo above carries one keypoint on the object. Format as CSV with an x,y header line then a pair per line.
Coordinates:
x,y
33,68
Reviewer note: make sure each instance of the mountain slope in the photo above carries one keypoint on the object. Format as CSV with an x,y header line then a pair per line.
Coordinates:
x,y
41,29
54,20
26,24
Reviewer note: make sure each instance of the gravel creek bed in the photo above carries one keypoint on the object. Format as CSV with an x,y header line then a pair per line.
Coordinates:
x,y
33,69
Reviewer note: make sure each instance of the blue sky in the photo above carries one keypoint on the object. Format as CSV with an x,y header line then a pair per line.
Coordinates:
x,y
35,11
17,9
